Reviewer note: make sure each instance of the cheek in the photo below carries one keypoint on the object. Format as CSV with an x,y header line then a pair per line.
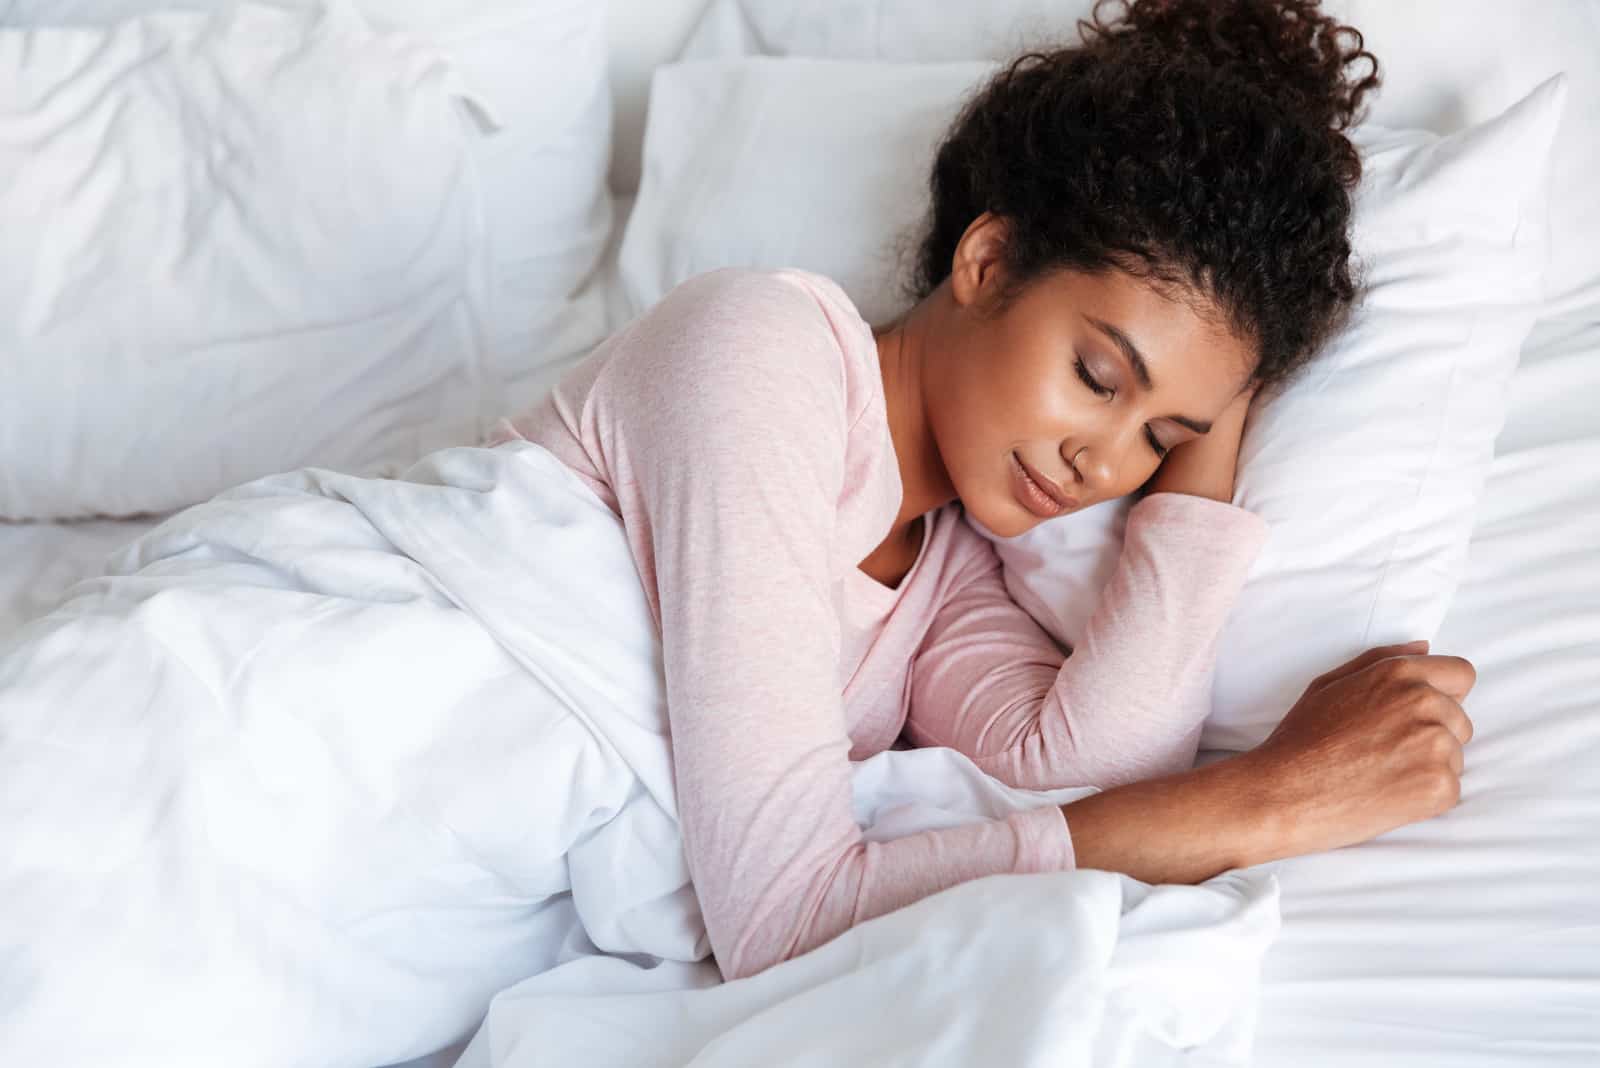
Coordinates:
x,y
984,412
1021,396
988,410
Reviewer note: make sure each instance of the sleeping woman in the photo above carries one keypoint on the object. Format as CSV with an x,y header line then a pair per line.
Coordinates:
x,y
1127,238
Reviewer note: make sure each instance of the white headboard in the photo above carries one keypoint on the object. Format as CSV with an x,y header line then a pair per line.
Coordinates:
x,y
643,35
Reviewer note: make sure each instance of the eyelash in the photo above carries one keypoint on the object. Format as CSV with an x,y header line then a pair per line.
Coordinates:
x,y
1107,391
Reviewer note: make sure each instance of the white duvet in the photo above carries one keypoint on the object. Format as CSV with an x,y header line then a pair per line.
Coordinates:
x,y
319,766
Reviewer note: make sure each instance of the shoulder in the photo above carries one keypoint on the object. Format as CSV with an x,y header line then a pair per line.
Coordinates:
x,y
783,311
798,296
753,335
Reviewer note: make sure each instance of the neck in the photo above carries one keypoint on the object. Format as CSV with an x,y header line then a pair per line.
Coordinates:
x,y
902,358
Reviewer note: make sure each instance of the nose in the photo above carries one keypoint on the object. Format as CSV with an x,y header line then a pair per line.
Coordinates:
x,y
1094,465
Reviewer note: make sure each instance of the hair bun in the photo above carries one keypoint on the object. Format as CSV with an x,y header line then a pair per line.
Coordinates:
x,y
1290,49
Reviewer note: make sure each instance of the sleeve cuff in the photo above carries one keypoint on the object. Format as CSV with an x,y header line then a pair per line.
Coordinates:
x,y
1043,840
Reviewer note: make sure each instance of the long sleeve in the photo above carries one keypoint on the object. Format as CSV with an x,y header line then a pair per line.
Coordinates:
x,y
724,427
1128,703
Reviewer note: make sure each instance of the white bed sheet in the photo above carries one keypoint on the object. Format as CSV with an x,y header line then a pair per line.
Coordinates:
x,y
1468,940
1474,939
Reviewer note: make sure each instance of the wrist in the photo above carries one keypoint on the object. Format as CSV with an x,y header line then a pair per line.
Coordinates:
x,y
1184,827
1258,820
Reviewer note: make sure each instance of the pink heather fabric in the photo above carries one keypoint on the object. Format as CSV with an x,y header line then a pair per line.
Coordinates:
x,y
739,430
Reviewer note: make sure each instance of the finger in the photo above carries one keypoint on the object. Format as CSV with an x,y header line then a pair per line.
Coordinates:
x,y
1451,675
1457,761
1454,719
1367,659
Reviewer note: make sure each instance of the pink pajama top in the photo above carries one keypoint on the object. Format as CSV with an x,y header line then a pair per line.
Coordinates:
x,y
739,430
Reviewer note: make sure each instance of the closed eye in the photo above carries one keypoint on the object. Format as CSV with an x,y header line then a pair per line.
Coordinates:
x,y
1106,391
1089,379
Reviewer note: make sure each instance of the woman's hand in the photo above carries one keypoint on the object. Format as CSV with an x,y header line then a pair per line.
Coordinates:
x,y
1206,466
1371,745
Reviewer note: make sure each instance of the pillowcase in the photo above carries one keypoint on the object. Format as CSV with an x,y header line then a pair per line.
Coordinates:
x,y
535,75
803,162
1446,65
1368,469
234,244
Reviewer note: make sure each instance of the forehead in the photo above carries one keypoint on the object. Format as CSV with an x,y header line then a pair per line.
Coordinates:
x,y
1182,337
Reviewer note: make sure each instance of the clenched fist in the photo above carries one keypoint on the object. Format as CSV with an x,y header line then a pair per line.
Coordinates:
x,y
1371,745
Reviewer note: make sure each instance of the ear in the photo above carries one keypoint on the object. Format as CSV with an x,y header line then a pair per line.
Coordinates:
x,y
976,267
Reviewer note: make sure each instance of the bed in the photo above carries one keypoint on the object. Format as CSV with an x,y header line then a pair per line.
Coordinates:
x,y
1472,939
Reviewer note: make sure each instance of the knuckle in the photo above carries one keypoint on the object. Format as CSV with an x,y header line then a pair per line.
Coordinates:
x,y
1443,787
1442,704
1415,694
1442,745
1393,667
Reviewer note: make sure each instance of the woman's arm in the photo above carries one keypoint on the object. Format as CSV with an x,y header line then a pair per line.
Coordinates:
x,y
1129,700
1374,744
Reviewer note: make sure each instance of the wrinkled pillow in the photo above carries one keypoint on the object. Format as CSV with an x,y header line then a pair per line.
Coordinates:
x,y
536,71
234,244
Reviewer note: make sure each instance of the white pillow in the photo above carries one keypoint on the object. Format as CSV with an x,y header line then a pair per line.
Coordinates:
x,y
233,245
536,70
1446,65
807,162
1368,469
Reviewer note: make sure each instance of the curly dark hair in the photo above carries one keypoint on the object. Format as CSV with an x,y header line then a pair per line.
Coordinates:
x,y
1197,144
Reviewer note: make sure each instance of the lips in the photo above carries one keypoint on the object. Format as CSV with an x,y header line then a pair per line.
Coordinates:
x,y
1036,492
1052,490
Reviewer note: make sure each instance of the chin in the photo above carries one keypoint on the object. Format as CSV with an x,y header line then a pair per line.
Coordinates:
x,y
1004,518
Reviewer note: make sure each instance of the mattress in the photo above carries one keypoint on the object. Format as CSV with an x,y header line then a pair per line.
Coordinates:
x,y
1470,939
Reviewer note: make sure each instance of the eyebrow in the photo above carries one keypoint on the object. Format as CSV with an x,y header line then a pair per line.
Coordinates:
x,y
1141,370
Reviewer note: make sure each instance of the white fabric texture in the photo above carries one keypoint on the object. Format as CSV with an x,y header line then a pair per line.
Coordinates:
x,y
1446,65
534,72
1068,969
233,245
1368,468
1471,939
320,764
762,141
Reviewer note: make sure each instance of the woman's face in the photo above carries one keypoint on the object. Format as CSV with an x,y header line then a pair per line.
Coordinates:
x,y
1050,390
